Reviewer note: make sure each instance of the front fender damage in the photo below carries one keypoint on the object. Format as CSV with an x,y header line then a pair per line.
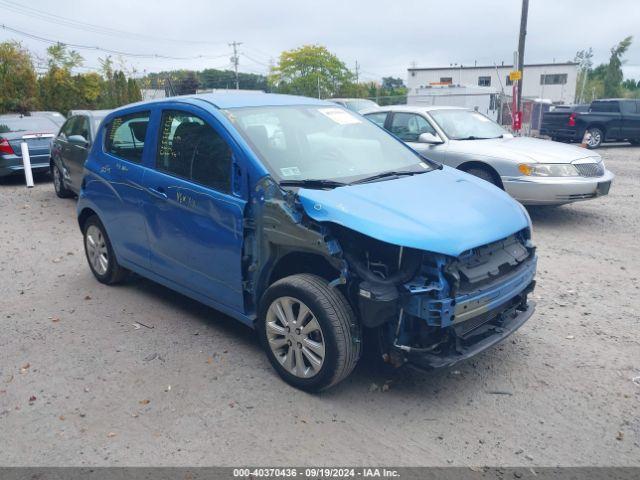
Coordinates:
x,y
425,308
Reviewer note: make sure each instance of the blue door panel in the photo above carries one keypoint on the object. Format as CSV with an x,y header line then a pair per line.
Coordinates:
x,y
195,236
120,202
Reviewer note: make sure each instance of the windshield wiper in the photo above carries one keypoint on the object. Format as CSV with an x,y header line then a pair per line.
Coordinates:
x,y
472,137
391,173
312,183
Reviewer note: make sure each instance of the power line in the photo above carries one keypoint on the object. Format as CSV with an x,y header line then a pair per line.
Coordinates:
x,y
107,50
69,22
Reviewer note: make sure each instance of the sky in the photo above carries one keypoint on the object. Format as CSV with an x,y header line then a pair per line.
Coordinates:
x,y
385,38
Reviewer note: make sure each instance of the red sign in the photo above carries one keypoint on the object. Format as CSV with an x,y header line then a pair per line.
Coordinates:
x,y
517,120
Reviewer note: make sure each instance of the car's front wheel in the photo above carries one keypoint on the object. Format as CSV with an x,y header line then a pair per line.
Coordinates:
x,y
309,332
485,174
58,182
99,251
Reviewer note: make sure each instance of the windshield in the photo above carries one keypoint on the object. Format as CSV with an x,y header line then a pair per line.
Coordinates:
x,y
321,143
466,125
27,124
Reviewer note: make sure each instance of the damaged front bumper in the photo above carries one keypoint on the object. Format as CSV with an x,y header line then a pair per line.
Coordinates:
x,y
439,328
463,345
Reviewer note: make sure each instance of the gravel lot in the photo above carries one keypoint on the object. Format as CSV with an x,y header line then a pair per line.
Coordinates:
x,y
81,383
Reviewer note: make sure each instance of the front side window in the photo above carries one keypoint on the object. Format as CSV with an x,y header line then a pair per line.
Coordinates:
x,y
460,124
66,129
311,142
190,148
409,126
126,135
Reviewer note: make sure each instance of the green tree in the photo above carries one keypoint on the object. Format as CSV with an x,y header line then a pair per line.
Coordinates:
x,y
613,73
19,90
188,84
58,90
133,91
310,70
89,87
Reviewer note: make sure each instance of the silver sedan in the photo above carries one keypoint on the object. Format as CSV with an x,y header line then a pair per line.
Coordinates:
x,y
533,171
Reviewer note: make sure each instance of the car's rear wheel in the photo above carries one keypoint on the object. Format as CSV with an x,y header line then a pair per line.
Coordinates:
x,y
596,137
58,183
635,141
99,251
309,332
484,174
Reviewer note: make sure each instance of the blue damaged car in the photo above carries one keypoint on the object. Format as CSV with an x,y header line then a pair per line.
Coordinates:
x,y
311,224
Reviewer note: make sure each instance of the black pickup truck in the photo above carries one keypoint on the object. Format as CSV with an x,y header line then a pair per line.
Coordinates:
x,y
607,120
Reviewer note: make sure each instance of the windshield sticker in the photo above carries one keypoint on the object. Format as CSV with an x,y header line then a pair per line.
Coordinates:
x,y
340,116
290,171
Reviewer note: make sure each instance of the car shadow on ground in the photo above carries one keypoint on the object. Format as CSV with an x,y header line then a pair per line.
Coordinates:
x,y
18,179
369,376
563,215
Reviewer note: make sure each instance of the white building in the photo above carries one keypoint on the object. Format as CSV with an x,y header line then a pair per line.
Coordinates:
x,y
553,81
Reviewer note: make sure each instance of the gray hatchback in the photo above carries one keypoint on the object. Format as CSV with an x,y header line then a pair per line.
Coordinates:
x,y
70,150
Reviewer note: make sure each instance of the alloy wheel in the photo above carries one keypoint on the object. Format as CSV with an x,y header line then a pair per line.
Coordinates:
x,y
97,250
595,139
295,337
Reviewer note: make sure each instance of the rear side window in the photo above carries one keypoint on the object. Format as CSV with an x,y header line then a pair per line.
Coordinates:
x,y
125,136
605,107
190,148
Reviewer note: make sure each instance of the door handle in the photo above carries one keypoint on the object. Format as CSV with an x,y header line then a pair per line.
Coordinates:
x,y
158,192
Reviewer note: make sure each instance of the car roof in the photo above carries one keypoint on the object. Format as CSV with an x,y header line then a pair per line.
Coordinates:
x,y
91,113
410,108
226,100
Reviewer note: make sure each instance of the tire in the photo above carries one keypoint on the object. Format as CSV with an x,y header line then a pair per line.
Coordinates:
x,y
597,137
58,182
635,141
336,342
485,174
102,261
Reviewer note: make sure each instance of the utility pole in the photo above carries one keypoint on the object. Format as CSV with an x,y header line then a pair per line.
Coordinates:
x,y
357,71
234,60
521,39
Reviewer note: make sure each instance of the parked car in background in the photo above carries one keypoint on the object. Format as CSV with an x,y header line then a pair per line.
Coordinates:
x,y
607,120
39,132
304,220
533,171
70,149
355,104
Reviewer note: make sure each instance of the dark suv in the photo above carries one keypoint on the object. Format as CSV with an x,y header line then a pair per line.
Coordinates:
x,y
70,150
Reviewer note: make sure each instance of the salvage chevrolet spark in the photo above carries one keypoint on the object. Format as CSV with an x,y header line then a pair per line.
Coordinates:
x,y
312,225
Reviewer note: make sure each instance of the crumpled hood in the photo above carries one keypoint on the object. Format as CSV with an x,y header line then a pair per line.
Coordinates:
x,y
444,211
523,149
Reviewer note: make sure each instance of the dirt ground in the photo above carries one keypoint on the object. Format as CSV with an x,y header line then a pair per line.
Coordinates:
x,y
139,375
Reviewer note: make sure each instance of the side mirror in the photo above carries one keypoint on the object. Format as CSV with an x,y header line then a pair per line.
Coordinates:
x,y
78,140
429,138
